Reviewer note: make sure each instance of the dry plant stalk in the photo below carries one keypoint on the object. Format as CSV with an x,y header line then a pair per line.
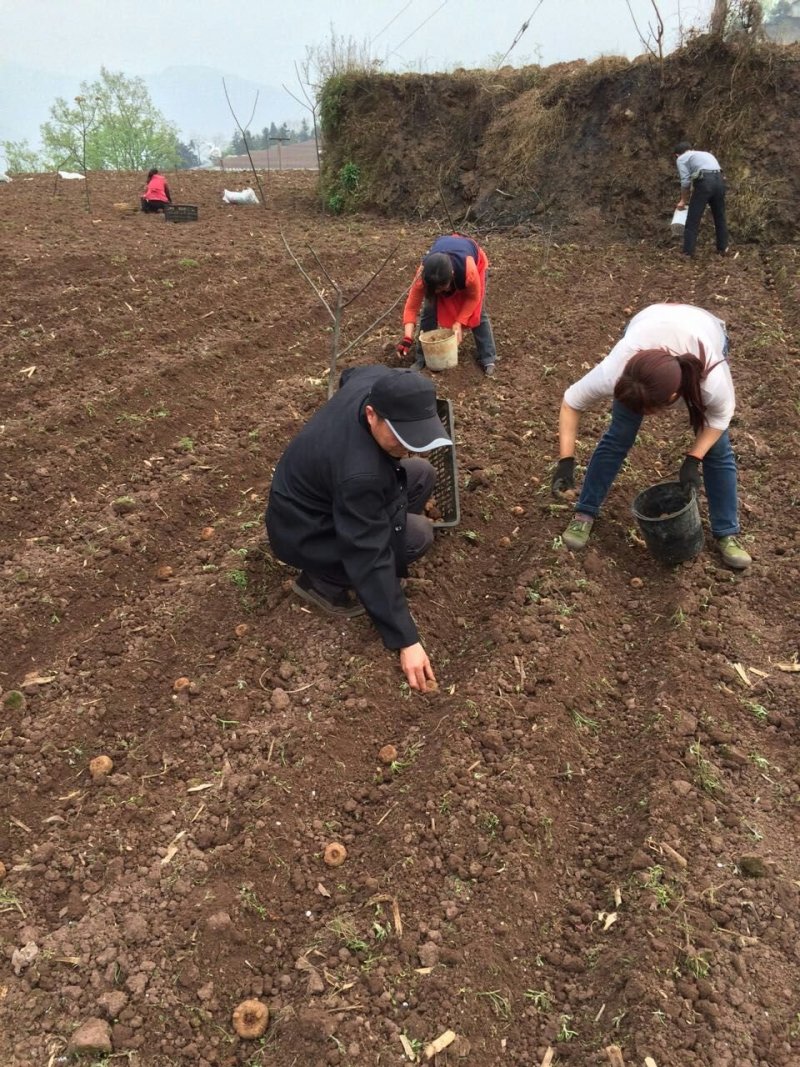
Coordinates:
x,y
433,1048
614,1053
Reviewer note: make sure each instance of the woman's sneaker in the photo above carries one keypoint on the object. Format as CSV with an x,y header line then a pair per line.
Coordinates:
x,y
733,554
577,533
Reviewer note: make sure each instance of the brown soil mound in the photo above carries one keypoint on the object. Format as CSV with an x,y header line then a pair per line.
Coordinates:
x,y
575,148
588,836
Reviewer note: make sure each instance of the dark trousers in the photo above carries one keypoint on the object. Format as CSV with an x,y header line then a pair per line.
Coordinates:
x,y
421,481
708,189
149,206
485,350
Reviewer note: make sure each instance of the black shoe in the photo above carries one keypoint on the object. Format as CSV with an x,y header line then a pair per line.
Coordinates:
x,y
343,604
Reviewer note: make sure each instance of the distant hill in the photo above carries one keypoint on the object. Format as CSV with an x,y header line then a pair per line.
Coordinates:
x,y
191,97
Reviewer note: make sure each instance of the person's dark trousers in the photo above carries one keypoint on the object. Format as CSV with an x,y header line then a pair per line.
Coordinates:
x,y
485,350
150,206
421,481
708,189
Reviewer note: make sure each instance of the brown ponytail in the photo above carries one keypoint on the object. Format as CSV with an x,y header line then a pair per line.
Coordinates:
x,y
693,371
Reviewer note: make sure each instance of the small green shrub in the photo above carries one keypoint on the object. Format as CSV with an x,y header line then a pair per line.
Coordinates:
x,y
349,177
14,700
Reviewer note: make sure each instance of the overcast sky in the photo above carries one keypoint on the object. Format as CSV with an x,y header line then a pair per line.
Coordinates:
x,y
260,39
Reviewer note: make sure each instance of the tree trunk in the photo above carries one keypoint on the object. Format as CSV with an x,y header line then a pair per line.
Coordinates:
x,y
718,17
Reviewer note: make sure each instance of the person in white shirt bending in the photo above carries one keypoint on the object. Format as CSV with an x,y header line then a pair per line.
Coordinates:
x,y
668,352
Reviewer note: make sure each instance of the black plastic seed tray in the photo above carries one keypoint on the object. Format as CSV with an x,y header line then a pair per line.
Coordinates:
x,y
444,461
180,213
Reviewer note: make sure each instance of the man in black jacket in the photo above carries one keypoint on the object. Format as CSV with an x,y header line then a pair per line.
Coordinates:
x,y
345,507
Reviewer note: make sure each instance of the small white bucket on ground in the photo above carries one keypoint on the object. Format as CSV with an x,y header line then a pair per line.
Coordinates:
x,y
679,220
440,348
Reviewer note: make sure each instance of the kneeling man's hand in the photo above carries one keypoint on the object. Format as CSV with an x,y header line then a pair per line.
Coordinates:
x,y
416,667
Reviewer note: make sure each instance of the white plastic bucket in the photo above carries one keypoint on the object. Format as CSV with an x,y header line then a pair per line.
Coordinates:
x,y
679,220
440,348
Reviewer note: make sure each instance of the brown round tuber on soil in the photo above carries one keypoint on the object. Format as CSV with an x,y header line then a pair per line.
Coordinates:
x,y
2,870
432,686
505,542
241,629
100,766
334,854
181,683
206,533
250,1019
388,754
518,509
637,583
164,574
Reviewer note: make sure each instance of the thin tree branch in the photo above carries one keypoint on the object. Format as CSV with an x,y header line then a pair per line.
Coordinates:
x,y
337,322
642,38
311,106
319,264
372,279
374,324
446,208
310,282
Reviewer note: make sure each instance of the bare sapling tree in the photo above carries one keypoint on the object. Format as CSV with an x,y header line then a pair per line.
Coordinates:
x,y
243,132
339,306
309,102
338,55
654,41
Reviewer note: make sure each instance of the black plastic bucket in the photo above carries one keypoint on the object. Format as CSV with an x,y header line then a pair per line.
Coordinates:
x,y
670,524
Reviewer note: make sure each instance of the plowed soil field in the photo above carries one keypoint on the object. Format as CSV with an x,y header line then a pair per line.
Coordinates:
x,y
588,837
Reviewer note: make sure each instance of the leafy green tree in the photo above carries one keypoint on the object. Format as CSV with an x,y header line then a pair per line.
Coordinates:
x,y
188,155
21,158
127,131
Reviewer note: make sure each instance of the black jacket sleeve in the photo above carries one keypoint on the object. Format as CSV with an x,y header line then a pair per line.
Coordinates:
x,y
364,532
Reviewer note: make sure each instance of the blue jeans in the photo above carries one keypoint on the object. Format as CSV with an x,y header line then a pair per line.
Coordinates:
x,y
719,472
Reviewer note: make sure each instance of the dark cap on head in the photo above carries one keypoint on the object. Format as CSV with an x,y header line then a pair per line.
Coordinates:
x,y
681,147
407,402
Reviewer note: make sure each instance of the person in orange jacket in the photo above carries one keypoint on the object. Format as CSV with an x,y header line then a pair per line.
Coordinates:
x,y
450,287
156,195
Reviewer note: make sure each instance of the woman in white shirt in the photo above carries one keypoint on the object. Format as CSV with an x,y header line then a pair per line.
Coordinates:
x,y
668,352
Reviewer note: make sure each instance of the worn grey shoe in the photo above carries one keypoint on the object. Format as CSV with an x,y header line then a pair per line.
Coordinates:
x,y
577,533
733,554
489,370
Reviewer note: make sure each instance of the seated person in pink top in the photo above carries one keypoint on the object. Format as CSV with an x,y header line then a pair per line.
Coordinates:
x,y
156,196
